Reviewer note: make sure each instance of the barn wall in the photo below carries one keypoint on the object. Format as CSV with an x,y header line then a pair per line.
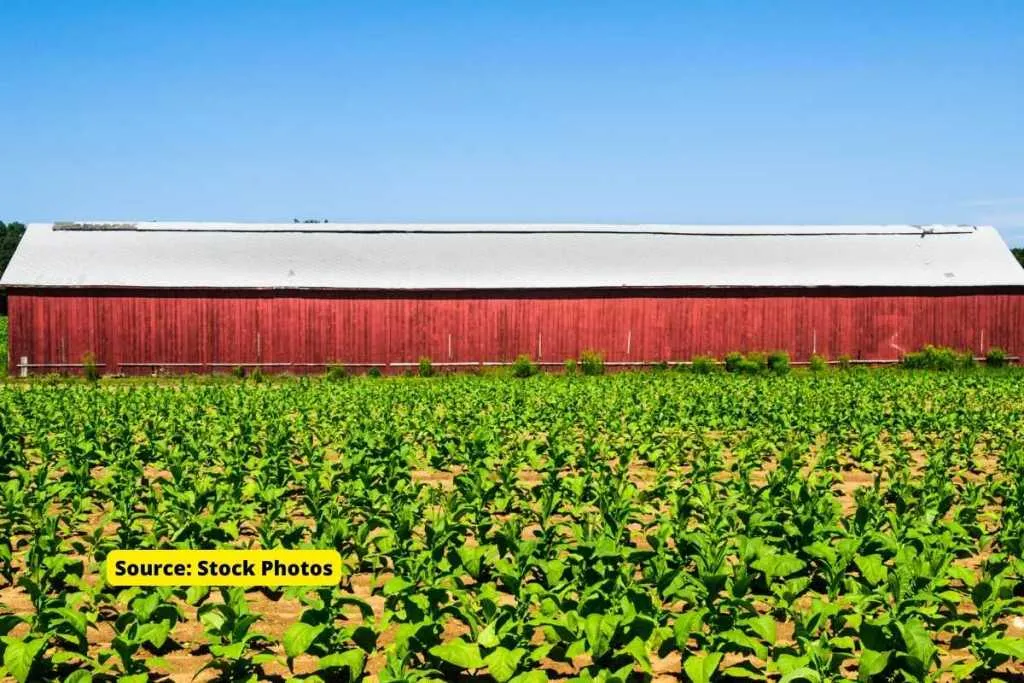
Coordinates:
x,y
121,328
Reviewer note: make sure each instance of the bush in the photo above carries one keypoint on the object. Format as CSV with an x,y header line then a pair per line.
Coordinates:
x,y
778,362
703,365
256,375
523,367
591,363
817,363
845,362
660,366
373,372
90,370
238,372
570,366
937,358
733,361
755,362
996,358
426,367
336,373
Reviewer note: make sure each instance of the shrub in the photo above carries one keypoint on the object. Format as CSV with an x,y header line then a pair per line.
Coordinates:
x,y
238,372
778,362
336,372
937,358
90,370
591,363
845,362
756,361
660,366
256,375
750,364
523,367
426,367
996,358
570,366
733,361
817,363
703,365
373,372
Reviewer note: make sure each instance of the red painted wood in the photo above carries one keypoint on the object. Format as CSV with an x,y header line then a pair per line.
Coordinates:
x,y
240,329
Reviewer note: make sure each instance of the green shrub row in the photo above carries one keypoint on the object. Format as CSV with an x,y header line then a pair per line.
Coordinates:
x,y
592,363
945,358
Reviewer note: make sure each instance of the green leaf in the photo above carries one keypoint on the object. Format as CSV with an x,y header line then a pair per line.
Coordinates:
x,y
133,678
502,663
1011,647
872,663
299,637
871,568
488,638
79,676
787,663
779,565
918,644
231,651
459,653
156,634
353,660
576,648
536,676
599,629
765,627
686,625
801,674
637,649
396,584
744,670
700,668
195,594
21,655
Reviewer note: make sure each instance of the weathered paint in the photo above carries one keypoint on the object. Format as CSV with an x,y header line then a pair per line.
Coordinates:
x,y
121,328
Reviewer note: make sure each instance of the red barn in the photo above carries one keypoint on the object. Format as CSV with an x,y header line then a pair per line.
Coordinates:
x,y
199,297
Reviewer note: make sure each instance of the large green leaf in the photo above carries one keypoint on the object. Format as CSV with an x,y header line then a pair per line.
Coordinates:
x,y
535,676
802,674
1011,647
918,645
700,668
156,634
779,565
502,663
354,660
459,653
871,568
872,663
299,637
21,655
599,630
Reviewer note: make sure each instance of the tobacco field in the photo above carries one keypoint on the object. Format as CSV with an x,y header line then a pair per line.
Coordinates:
x,y
642,526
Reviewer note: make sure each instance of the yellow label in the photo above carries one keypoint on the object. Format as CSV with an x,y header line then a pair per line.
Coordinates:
x,y
223,567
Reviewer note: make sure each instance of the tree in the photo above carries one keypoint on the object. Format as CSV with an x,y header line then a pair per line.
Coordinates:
x,y
1019,253
10,235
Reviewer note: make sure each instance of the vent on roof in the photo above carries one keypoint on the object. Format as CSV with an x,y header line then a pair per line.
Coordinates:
x,y
95,226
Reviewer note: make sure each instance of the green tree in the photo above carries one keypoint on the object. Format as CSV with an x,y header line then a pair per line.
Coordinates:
x,y
10,235
1019,253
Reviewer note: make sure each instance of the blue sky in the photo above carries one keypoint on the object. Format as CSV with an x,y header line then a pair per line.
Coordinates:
x,y
702,112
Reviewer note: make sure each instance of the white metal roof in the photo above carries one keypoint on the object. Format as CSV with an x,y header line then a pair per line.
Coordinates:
x,y
506,256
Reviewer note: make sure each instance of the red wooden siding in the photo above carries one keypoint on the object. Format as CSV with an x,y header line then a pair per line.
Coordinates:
x,y
121,328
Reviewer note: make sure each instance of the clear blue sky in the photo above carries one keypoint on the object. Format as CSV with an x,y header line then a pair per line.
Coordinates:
x,y
715,112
